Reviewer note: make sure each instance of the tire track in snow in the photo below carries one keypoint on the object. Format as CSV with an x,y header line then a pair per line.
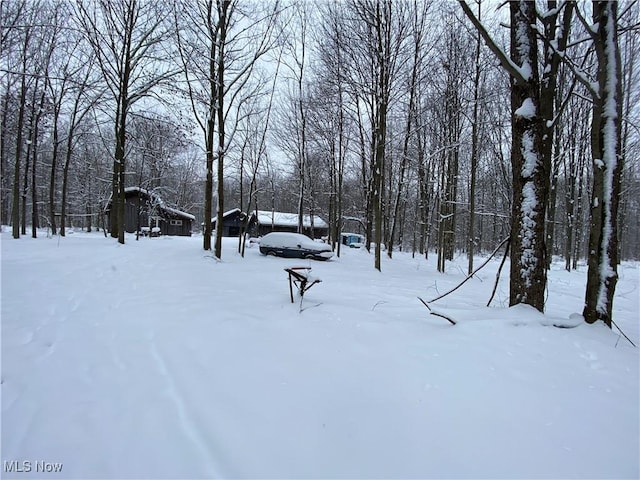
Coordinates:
x,y
186,422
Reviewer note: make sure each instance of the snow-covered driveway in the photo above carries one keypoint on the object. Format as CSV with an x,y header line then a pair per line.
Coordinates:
x,y
153,360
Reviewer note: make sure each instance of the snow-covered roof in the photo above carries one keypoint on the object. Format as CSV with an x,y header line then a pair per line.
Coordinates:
x,y
156,198
267,217
229,212
226,214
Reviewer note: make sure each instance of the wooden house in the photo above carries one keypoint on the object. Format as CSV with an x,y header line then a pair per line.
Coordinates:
x,y
147,211
269,221
262,222
232,222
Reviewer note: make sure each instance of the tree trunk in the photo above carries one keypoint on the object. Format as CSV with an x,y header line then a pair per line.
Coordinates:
x,y
530,171
442,214
578,219
383,38
423,197
551,208
530,178
570,231
208,185
4,179
54,168
34,187
550,94
417,34
341,155
602,273
119,168
15,208
223,8
474,154
28,158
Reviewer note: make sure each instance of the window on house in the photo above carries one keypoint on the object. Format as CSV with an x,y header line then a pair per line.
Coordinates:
x,y
176,222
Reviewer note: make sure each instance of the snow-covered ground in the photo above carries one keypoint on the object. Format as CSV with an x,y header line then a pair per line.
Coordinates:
x,y
154,360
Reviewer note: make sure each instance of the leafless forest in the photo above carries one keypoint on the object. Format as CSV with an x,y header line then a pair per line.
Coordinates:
x,y
439,128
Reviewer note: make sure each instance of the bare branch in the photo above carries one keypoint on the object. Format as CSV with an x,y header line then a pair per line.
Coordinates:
x,y
513,69
474,272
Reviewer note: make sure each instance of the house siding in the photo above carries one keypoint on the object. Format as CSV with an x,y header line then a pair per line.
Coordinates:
x,y
137,212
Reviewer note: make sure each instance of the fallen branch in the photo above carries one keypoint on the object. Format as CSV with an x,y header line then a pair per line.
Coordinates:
x,y
495,286
436,313
623,334
472,273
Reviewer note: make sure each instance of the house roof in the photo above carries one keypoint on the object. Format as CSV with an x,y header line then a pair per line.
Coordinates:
x,y
267,217
157,200
226,214
280,219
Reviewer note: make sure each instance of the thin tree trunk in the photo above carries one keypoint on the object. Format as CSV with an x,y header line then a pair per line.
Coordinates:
x,y
383,34
550,95
54,170
28,159
408,133
474,152
34,187
570,230
4,186
223,8
341,155
366,183
15,208
578,219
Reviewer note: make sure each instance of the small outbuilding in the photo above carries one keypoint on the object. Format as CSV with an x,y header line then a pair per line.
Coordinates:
x,y
146,211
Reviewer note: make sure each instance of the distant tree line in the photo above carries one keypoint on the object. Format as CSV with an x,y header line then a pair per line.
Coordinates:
x,y
430,127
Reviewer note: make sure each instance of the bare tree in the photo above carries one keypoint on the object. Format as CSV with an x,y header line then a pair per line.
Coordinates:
x,y
557,28
25,38
80,107
233,38
450,125
331,112
296,50
254,153
576,138
532,117
67,81
474,148
126,37
378,34
606,150
418,30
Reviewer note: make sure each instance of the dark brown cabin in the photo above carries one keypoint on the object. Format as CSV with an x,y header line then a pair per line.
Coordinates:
x,y
147,212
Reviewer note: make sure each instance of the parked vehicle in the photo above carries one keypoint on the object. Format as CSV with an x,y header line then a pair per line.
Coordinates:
x,y
353,240
294,245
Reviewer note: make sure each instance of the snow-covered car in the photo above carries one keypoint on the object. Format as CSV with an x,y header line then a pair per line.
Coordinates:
x,y
294,245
